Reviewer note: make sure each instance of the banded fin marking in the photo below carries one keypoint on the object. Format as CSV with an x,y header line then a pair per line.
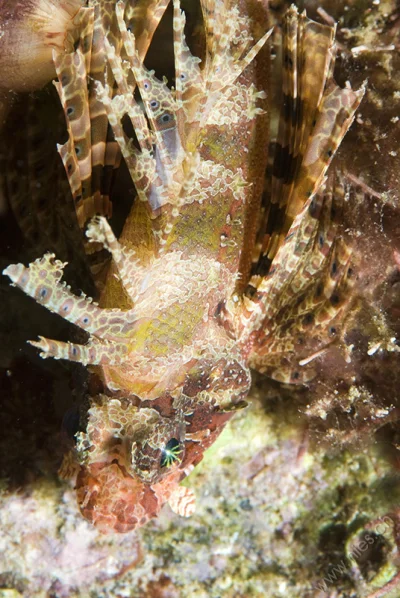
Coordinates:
x,y
315,116
307,295
71,69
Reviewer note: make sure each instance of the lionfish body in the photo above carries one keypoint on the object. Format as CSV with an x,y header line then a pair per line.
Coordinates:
x,y
183,312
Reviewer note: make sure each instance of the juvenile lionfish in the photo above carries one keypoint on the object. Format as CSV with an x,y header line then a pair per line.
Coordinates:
x,y
204,284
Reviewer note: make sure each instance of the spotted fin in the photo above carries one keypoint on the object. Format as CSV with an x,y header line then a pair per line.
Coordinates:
x,y
91,154
107,328
105,151
72,70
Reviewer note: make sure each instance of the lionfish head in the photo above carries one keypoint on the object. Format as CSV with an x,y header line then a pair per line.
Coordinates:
x,y
134,454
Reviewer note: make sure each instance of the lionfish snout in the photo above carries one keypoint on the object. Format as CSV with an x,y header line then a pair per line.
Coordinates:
x,y
114,501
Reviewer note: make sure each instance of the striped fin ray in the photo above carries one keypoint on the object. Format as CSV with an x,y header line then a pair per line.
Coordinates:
x,y
229,44
143,18
315,116
315,62
158,100
313,253
309,292
141,164
189,83
90,155
108,141
76,153
105,151
155,164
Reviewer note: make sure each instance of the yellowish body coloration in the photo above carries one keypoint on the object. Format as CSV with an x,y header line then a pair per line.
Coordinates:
x,y
183,313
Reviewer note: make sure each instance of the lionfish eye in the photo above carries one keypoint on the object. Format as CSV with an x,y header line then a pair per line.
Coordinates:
x,y
170,453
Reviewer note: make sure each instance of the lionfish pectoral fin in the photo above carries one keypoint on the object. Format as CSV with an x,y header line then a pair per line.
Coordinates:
x,y
93,353
143,17
316,114
152,165
300,226
90,155
72,70
301,307
41,280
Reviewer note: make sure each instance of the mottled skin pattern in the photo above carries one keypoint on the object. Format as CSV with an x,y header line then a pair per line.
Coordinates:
x,y
182,316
